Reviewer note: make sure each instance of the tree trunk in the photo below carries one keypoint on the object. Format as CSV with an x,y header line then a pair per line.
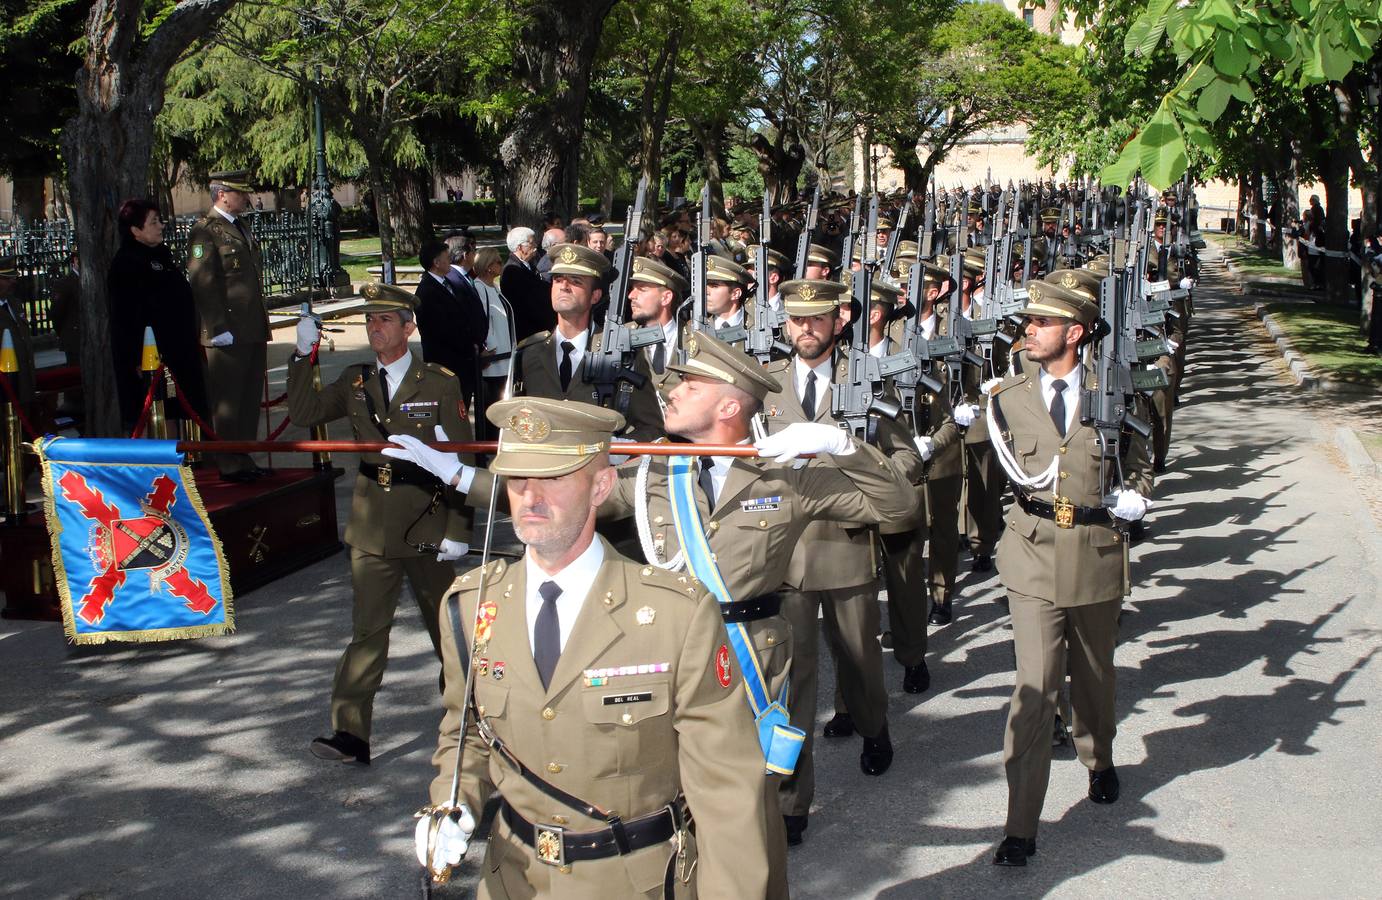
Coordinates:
x,y
708,137
107,146
904,152
552,64
1259,209
1244,198
1333,165
411,216
652,117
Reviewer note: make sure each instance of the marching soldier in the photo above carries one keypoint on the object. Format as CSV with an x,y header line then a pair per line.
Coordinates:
x,y
1063,560
553,364
725,283
752,512
656,291
983,482
223,267
610,710
402,523
822,263
778,267
832,573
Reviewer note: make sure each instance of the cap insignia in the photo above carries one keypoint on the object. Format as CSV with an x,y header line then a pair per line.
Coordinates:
x,y
371,291
567,255
807,293
529,425
1034,292
692,347
638,265
1068,280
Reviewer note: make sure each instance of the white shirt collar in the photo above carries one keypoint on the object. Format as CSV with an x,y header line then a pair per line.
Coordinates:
x,y
928,326
734,321
823,371
225,215
880,349
397,370
1073,379
580,341
575,582
441,279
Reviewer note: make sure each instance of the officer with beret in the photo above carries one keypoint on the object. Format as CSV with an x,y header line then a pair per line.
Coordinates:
x,y
610,710
402,522
223,267
1063,557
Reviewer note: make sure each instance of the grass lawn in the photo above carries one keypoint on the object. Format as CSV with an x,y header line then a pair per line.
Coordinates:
x,y
1248,261
1328,338
358,254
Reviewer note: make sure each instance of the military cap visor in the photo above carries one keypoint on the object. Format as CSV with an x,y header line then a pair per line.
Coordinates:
x,y
709,357
1055,301
238,180
647,270
386,298
542,438
577,259
776,258
1076,280
724,269
822,256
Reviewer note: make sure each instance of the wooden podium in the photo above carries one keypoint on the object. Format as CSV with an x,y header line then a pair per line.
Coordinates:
x,y
268,528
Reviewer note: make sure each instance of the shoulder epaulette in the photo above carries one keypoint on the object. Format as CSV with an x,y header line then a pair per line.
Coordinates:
x,y
1008,383
681,582
775,366
438,367
532,339
470,581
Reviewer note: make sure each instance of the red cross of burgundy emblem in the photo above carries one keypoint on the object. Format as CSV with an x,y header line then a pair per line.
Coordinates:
x,y
151,541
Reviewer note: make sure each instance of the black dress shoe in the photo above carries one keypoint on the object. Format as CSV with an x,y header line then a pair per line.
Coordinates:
x,y
1014,851
916,679
982,563
341,747
842,726
796,827
878,754
1060,735
940,614
1103,785
1159,467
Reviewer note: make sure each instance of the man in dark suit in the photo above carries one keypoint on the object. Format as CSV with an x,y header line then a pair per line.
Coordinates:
x,y
528,294
451,327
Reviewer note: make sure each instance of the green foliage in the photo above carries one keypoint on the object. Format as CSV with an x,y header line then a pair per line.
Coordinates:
x,y
37,93
746,180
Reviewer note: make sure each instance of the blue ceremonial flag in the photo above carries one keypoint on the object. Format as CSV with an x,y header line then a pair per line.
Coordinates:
x,y
133,550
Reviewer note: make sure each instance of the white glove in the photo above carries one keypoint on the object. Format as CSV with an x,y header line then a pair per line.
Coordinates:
x,y
309,333
805,437
926,447
1187,283
451,841
440,463
990,385
965,414
224,339
452,550
1173,345
1131,506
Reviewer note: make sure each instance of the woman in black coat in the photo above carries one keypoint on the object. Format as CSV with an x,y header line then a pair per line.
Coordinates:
x,y
146,287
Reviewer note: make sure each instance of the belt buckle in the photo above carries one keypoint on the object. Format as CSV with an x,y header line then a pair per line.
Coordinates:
x,y
549,843
1064,513
384,475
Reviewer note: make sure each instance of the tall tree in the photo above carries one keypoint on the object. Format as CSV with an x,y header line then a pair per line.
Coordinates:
x,y
107,147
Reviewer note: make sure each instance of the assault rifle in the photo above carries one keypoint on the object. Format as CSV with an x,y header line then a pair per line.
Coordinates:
x,y
927,238
957,326
762,326
610,368
807,229
855,401
890,253
698,285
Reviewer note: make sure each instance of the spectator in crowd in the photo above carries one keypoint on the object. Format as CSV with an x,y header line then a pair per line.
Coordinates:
x,y
528,295
550,238
147,288
498,350
451,327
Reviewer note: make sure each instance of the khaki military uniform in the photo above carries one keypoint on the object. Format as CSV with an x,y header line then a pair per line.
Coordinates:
x,y
984,482
832,575
537,375
1163,402
223,267
760,514
628,743
384,520
1065,588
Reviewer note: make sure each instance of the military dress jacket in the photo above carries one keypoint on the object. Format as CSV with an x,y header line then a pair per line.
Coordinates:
x,y
835,554
1065,566
381,519
223,267
646,703
537,375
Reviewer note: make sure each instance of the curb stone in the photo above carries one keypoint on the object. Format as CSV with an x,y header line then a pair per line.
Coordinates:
x,y
1305,378
1360,462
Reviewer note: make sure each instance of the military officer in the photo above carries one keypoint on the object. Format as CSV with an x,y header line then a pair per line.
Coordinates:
x,y
223,267
605,693
1167,265
555,364
822,263
778,267
725,283
14,320
983,481
656,292
1063,559
402,522
753,510
832,575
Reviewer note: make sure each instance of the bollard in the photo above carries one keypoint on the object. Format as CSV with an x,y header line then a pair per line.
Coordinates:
x,y
14,438
152,367
320,461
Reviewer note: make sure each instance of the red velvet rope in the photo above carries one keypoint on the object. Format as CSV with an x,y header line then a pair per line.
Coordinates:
x,y
148,406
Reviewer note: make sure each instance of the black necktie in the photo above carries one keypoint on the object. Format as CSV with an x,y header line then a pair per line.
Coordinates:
x,y
660,357
705,480
547,633
1058,406
722,326
384,384
808,397
567,348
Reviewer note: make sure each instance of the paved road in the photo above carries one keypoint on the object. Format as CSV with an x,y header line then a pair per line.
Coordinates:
x,y
1248,729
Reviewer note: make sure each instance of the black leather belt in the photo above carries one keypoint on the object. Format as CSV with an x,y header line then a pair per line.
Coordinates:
x,y
556,846
752,610
1064,513
389,474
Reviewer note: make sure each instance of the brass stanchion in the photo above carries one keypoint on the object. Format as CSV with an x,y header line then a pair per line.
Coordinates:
x,y
152,367
14,438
